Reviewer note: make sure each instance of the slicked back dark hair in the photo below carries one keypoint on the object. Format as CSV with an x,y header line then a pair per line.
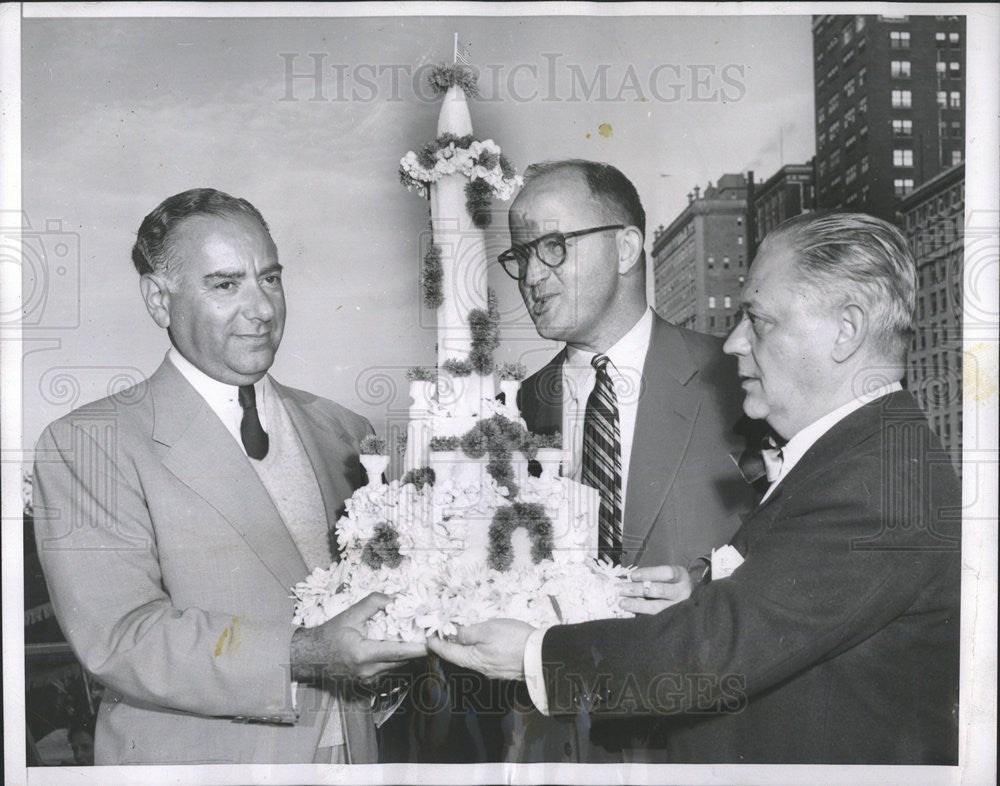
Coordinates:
x,y
151,251
607,184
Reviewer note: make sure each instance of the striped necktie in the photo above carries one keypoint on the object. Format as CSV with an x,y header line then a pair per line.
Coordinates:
x,y
602,460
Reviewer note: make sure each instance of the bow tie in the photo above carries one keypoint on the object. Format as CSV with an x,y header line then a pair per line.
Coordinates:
x,y
773,456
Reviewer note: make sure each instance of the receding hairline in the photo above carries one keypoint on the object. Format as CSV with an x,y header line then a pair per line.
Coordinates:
x,y
574,175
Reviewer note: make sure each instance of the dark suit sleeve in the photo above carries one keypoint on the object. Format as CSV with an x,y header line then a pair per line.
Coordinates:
x,y
98,549
805,593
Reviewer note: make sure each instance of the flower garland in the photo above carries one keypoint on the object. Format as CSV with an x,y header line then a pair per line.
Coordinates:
x,y
422,374
444,76
383,548
431,275
465,155
419,477
511,371
458,368
484,325
445,444
531,516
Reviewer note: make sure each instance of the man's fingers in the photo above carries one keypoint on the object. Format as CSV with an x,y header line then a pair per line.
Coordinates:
x,y
642,606
365,609
393,651
665,573
451,652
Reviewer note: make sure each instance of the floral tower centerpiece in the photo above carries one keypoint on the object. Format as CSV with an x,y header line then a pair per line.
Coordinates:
x,y
467,533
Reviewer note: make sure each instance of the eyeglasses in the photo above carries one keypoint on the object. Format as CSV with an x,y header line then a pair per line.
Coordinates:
x,y
550,249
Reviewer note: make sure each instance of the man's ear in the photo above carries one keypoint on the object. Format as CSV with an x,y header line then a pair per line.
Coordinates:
x,y
852,332
629,249
156,296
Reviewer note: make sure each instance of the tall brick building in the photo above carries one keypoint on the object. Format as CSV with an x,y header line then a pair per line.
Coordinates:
x,y
890,106
932,217
700,260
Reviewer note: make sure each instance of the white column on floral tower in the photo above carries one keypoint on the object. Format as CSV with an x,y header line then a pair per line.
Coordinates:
x,y
459,174
463,263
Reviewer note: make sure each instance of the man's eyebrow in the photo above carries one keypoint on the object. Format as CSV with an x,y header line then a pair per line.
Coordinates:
x,y
224,275
270,269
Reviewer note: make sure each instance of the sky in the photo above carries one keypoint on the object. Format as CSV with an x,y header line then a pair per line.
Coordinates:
x,y
120,113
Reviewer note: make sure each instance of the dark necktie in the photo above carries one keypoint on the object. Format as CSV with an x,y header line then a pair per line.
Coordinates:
x,y
254,437
602,460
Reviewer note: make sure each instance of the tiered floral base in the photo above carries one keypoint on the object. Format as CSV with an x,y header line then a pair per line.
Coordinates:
x,y
460,551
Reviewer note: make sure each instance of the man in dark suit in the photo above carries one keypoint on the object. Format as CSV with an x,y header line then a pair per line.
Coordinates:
x,y
173,519
829,632
577,232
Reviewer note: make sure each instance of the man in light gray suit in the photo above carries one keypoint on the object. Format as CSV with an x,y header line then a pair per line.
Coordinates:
x,y
174,518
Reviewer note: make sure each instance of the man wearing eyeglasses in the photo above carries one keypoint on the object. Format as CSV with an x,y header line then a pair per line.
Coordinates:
x,y
646,409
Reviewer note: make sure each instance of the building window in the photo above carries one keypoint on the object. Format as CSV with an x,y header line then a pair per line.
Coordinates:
x,y
711,322
952,38
820,115
822,168
711,263
942,99
902,158
849,142
859,24
849,87
861,77
954,67
956,128
846,36
832,73
902,186
834,128
835,159
956,157
727,302
852,174
711,302
941,67
850,116
955,99
739,240
864,164
725,263
833,104
901,99
902,128
899,39
939,38
821,139
863,105
900,69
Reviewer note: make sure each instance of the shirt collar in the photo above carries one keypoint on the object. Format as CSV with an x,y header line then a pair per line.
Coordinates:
x,y
218,395
798,445
629,352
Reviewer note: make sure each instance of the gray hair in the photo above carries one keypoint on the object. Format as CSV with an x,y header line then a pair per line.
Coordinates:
x,y
151,252
854,256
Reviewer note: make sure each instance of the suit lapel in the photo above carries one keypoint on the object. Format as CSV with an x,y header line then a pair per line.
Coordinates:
x,y
330,449
541,397
667,412
203,455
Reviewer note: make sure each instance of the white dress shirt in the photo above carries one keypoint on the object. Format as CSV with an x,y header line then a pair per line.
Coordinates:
x,y
798,445
793,451
627,356
222,398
